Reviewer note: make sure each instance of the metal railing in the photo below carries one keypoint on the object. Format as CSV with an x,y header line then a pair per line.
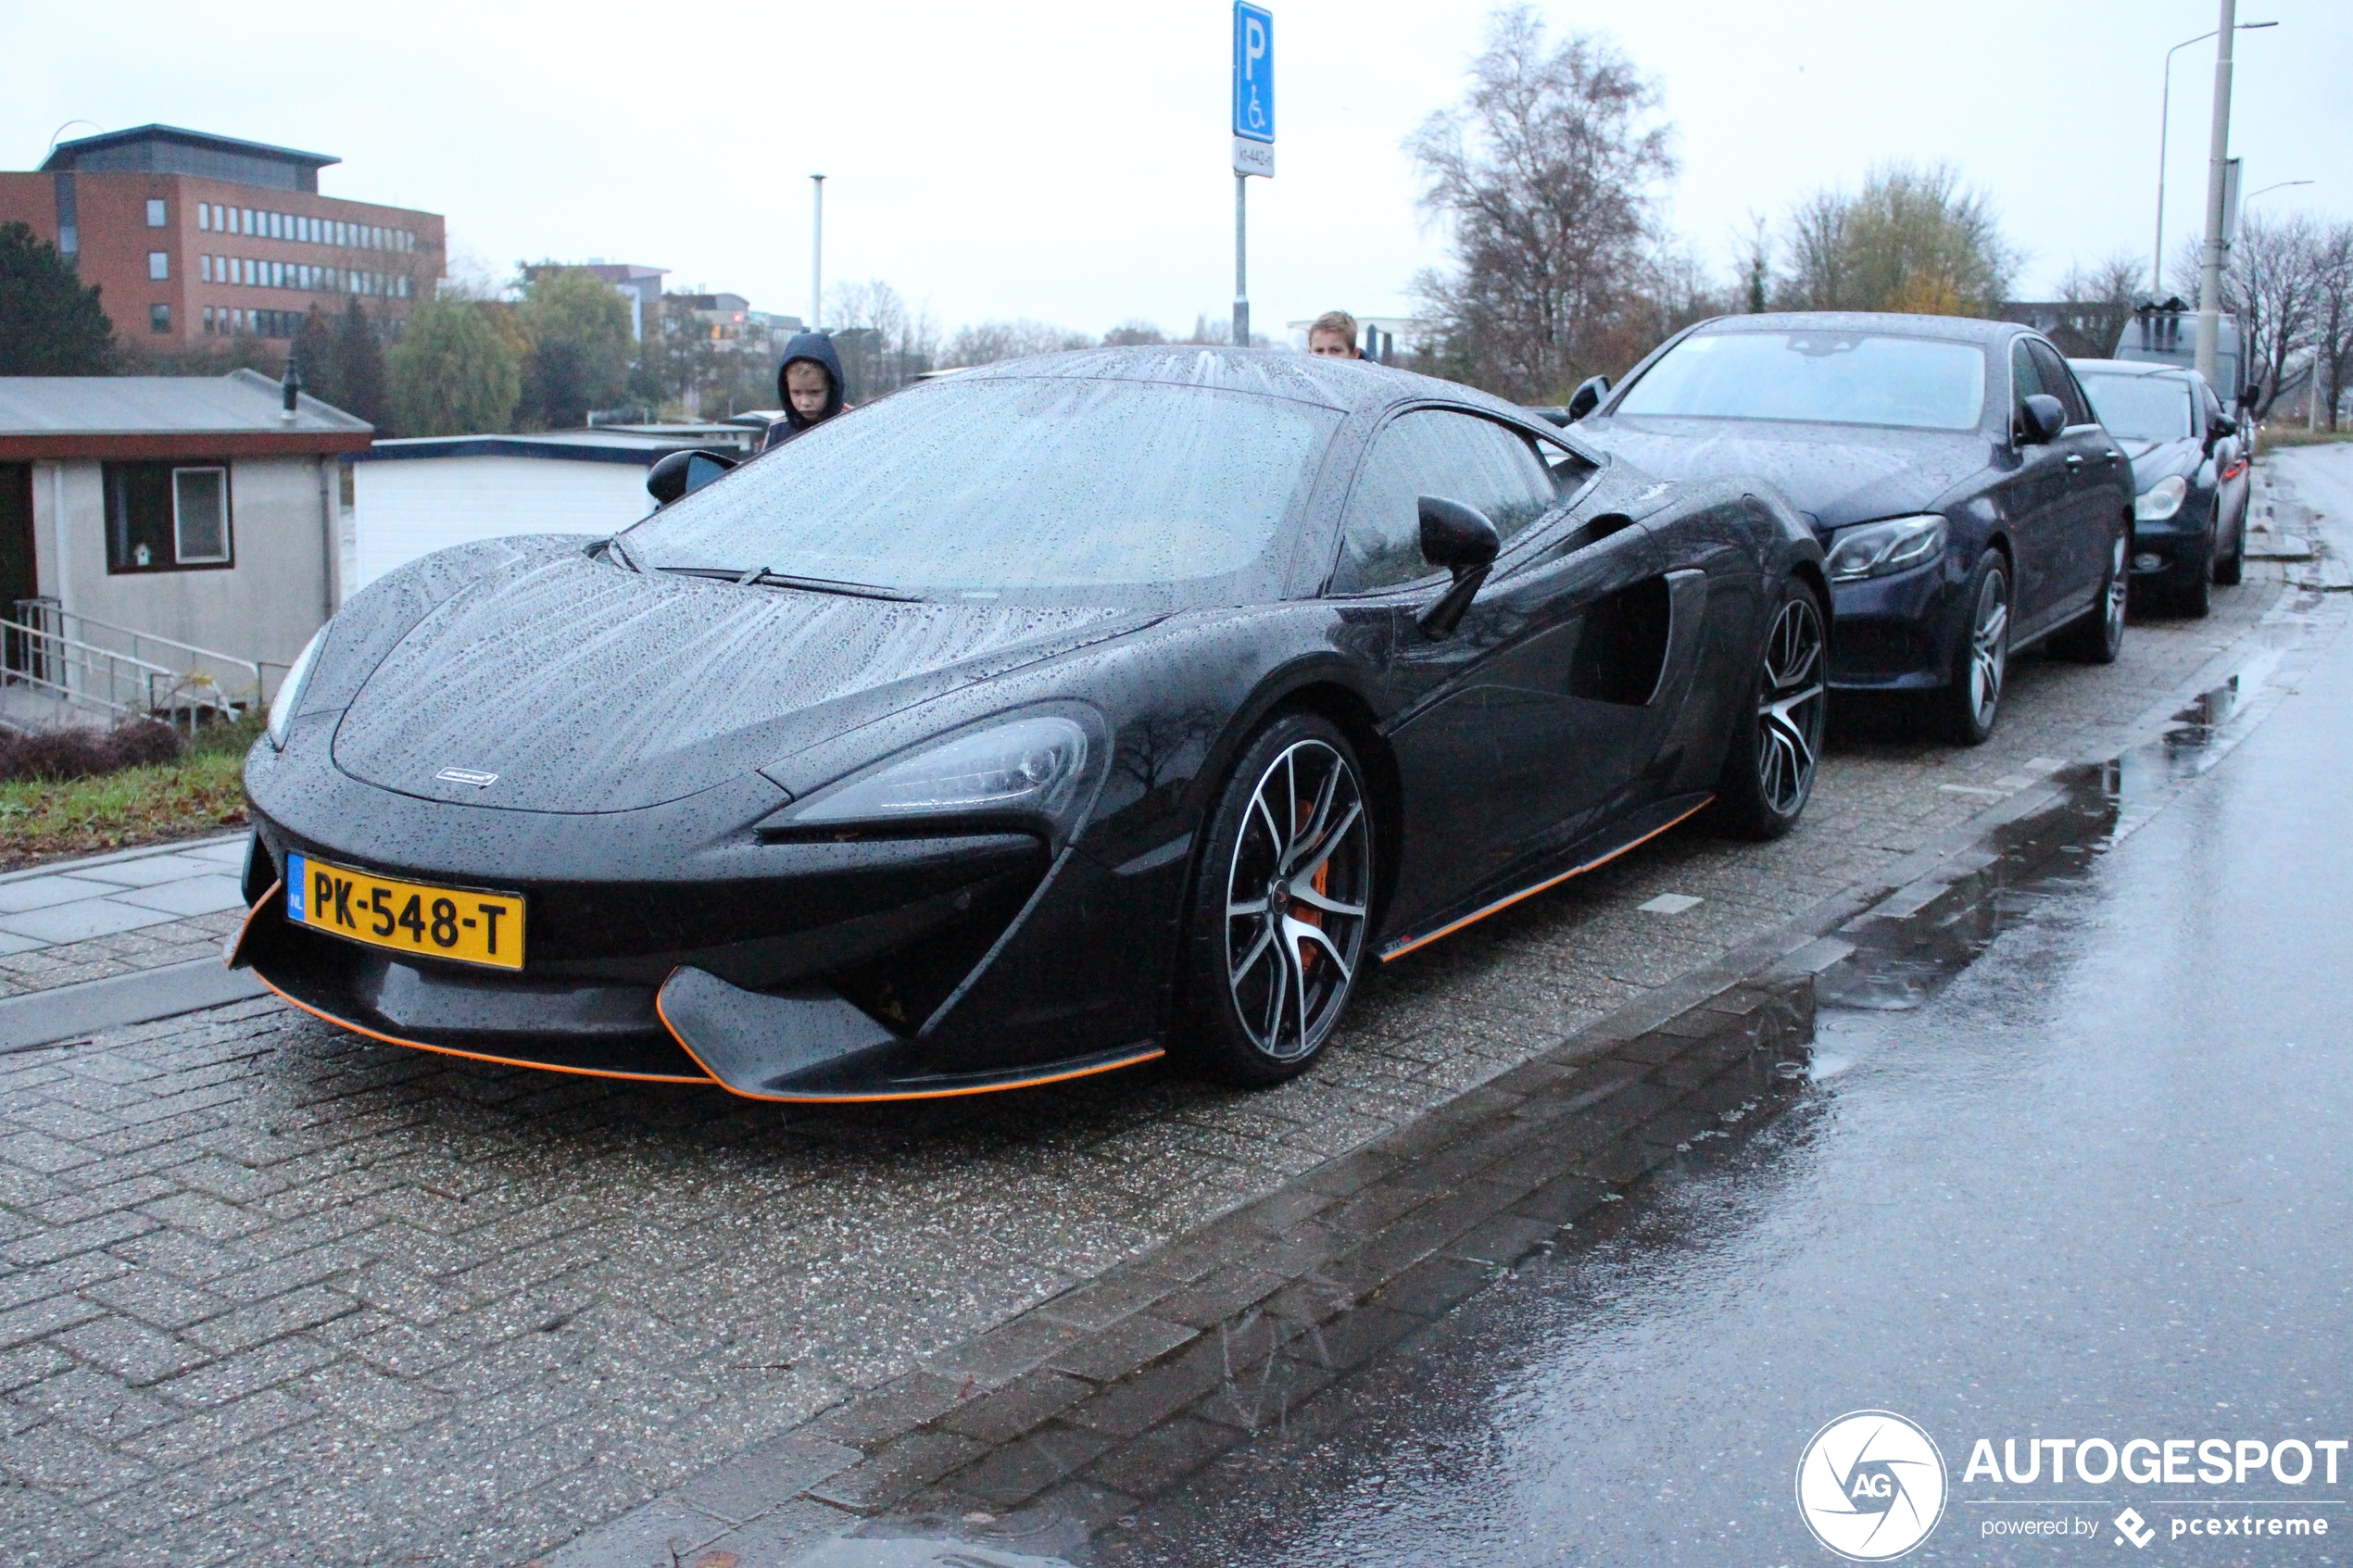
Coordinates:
x,y
56,651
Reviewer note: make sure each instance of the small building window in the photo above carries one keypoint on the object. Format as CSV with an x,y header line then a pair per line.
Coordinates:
x,y
160,264
168,517
208,321
203,216
154,212
158,318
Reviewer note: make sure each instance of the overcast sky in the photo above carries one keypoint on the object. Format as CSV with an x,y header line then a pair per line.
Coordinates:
x,y
1068,161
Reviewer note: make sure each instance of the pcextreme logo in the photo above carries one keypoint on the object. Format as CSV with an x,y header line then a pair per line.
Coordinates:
x,y
1870,1486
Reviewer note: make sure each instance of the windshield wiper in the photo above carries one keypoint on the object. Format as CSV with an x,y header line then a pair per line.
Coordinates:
x,y
619,552
759,576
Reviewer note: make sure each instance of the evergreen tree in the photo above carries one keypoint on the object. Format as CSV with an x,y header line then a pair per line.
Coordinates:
x,y
360,372
314,356
50,325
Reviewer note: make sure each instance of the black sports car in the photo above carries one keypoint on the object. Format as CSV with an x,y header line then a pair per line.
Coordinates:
x,y
2189,472
1968,499
1020,725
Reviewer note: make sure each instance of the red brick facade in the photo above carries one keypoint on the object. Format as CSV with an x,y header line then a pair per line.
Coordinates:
x,y
389,257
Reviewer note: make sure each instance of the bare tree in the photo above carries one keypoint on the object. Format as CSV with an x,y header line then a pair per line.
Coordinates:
x,y
883,345
2333,314
1547,172
987,342
2100,300
1913,240
2271,283
1134,332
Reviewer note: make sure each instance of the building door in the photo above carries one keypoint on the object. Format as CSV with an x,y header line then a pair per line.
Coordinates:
x,y
18,576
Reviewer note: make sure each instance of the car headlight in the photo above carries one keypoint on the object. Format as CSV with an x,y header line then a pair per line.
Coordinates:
x,y
1034,766
1880,549
2160,501
282,706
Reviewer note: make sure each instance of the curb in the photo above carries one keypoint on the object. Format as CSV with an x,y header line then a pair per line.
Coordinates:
x,y
1066,1415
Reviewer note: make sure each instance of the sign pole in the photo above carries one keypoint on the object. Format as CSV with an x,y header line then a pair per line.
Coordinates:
x,y
1242,261
1253,138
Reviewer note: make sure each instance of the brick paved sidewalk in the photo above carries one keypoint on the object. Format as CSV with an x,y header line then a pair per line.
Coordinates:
x,y
272,1293
112,914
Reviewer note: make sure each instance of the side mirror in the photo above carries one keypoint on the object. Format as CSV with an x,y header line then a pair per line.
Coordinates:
x,y
1461,539
2222,424
682,473
2039,420
2250,394
1587,397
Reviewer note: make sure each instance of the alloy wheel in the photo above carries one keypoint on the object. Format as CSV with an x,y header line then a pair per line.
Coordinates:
x,y
1296,894
1791,707
2119,586
1989,647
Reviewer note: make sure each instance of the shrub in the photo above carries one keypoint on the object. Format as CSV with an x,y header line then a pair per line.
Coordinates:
x,y
79,753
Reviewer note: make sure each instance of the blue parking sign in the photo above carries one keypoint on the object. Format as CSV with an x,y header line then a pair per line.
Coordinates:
x,y
1253,72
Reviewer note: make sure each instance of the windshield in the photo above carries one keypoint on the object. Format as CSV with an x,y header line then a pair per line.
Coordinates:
x,y
1044,487
2141,407
1831,378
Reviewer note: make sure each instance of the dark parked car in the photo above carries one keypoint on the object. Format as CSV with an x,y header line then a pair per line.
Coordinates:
x,y
1021,726
2189,471
1966,496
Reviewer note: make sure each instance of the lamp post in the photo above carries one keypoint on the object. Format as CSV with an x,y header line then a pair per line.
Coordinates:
x,y
2164,125
817,252
2269,189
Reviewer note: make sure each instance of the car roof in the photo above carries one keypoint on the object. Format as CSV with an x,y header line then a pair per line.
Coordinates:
x,y
1886,323
1347,386
2135,368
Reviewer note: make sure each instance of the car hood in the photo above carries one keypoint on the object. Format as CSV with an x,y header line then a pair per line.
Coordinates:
x,y
578,686
1836,474
2153,460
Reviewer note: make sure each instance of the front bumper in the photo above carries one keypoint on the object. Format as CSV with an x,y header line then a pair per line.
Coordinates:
x,y
887,968
1892,633
2178,549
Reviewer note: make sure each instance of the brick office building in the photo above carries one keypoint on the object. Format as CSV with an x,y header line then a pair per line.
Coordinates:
x,y
194,237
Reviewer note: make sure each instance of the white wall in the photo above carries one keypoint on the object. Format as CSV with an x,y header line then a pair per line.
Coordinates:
x,y
265,607
405,508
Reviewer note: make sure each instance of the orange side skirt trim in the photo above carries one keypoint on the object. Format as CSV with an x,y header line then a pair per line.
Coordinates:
x,y
1060,1075
1548,882
244,926
478,1056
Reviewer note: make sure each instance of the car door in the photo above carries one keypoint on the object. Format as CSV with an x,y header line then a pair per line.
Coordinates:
x,y
2091,460
2035,497
1509,727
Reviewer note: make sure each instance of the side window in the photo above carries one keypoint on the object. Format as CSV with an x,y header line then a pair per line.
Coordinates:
x,y
2025,380
1434,452
2059,381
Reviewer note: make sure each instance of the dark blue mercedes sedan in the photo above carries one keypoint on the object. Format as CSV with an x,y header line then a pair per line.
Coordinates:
x,y
1965,493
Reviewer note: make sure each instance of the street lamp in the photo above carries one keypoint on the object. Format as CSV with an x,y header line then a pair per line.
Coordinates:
x,y
2164,124
2269,189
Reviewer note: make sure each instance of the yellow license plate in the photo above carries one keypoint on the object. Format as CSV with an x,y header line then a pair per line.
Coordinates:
x,y
408,917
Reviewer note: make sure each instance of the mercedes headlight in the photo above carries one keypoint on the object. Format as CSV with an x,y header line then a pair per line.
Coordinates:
x,y
282,706
1033,767
1881,550
2160,501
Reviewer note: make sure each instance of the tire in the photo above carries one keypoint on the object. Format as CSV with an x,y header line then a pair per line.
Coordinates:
x,y
2230,569
2195,597
1280,914
1769,772
1968,705
2097,635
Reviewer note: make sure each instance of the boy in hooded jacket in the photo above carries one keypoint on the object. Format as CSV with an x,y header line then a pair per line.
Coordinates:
x,y
808,384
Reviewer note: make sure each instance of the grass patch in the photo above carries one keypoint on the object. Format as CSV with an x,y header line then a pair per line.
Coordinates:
x,y
201,793
2299,437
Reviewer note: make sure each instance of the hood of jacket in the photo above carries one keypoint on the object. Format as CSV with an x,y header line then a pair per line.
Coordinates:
x,y
818,349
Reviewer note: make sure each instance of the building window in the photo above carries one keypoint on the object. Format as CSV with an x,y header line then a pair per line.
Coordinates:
x,y
208,321
159,265
154,212
203,216
244,220
69,216
168,517
158,318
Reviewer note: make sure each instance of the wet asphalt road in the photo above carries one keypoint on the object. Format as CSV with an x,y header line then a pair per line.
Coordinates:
x,y
2095,1184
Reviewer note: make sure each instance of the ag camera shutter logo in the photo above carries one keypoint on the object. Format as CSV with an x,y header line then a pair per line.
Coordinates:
x,y
1870,1486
